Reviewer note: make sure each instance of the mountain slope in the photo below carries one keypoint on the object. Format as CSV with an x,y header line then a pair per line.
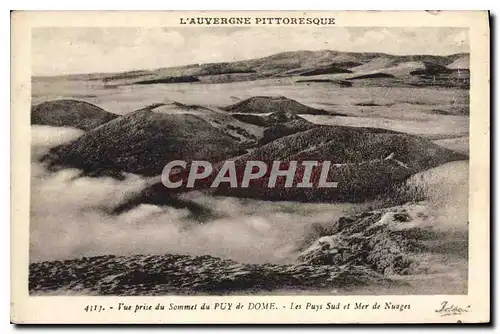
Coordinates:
x,y
270,104
143,142
366,162
460,63
72,113
343,144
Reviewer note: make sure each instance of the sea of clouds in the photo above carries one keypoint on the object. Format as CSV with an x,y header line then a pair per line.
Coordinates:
x,y
71,215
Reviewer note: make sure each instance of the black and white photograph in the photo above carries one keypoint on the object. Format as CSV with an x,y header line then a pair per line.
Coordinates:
x,y
290,157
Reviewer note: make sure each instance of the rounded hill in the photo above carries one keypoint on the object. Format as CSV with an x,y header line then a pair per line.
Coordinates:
x,y
143,142
72,113
271,104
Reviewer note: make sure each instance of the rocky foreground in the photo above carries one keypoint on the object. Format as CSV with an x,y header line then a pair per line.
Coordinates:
x,y
362,249
184,274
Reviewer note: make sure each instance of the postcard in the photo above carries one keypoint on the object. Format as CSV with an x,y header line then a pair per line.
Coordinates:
x,y
250,167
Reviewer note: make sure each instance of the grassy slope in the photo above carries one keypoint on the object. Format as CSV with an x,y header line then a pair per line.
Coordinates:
x,y
143,142
370,162
267,104
71,113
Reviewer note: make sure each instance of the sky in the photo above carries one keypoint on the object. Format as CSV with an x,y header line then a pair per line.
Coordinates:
x,y
69,50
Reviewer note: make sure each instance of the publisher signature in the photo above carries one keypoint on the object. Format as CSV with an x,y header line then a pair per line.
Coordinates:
x,y
450,309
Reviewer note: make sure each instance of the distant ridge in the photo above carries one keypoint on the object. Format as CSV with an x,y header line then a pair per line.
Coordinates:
x,y
285,64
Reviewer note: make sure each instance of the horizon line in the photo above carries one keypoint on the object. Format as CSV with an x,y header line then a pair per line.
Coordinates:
x,y
247,59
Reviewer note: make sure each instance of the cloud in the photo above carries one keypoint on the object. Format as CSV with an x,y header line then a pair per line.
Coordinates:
x,y
70,215
83,50
460,39
70,218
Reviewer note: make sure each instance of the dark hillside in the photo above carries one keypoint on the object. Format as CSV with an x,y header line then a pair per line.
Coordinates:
x,y
269,104
365,162
72,113
143,142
